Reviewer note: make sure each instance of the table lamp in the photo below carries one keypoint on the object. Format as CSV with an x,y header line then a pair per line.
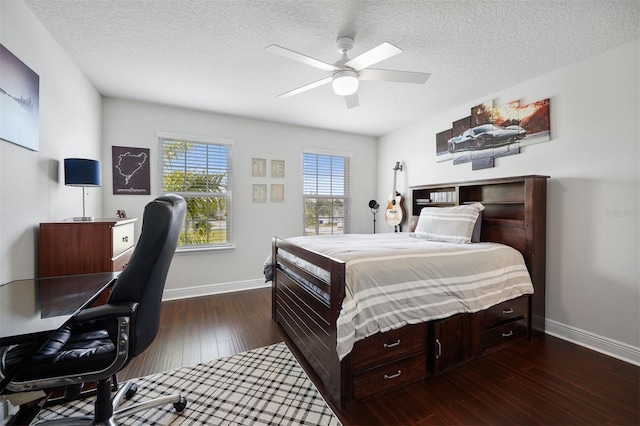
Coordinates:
x,y
82,172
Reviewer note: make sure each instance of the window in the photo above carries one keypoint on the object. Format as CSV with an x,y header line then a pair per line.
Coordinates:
x,y
200,170
326,194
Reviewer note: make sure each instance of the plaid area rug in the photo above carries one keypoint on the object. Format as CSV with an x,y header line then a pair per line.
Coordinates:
x,y
265,386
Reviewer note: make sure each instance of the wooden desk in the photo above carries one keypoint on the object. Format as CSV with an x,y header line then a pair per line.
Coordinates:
x,y
30,309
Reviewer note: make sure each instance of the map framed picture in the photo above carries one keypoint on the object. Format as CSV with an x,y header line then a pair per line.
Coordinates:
x,y
131,171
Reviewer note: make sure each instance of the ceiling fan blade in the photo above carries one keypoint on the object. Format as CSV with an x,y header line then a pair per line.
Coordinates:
x,y
352,100
391,75
306,87
373,56
287,53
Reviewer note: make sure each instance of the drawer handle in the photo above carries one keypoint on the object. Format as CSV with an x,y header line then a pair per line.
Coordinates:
x,y
508,334
507,311
125,239
439,354
392,345
393,376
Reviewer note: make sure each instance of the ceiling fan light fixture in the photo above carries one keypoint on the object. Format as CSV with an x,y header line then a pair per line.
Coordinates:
x,y
345,83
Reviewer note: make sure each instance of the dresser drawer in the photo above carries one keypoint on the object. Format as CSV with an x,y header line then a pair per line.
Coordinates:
x,y
506,333
507,311
383,347
388,376
120,262
122,238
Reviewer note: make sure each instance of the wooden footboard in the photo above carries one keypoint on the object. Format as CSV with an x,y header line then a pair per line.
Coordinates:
x,y
309,319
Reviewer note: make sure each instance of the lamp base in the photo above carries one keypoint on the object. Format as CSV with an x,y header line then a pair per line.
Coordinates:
x,y
83,219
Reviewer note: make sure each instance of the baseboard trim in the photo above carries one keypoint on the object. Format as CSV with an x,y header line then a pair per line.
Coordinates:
x,y
614,348
207,290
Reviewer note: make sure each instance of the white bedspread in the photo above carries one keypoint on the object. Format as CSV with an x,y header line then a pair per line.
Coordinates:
x,y
395,279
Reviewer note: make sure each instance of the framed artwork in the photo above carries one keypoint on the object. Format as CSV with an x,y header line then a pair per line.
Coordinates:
x,y
259,193
277,192
442,139
258,167
277,168
131,171
534,117
491,132
19,102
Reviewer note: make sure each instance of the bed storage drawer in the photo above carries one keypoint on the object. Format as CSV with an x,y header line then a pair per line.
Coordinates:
x,y
507,311
388,376
384,347
505,334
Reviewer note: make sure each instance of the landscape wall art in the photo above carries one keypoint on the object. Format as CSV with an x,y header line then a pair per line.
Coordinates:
x,y
19,101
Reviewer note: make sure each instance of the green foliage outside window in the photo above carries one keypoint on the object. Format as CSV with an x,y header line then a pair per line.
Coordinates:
x,y
200,173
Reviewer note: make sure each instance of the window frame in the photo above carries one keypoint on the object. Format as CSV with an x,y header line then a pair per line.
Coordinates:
x,y
345,196
227,194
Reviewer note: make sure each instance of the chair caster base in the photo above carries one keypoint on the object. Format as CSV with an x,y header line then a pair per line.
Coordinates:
x,y
180,405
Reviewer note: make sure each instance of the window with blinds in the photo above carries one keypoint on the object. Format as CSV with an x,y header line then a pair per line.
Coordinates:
x,y
326,194
200,171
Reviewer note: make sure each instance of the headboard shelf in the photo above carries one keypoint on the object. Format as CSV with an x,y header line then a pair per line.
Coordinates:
x,y
485,202
515,214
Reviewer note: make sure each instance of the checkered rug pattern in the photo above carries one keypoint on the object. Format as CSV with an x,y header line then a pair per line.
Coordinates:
x,y
265,386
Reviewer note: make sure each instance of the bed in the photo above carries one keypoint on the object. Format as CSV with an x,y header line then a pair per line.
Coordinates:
x,y
358,311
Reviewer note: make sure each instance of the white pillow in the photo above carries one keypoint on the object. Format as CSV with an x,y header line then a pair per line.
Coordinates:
x,y
448,224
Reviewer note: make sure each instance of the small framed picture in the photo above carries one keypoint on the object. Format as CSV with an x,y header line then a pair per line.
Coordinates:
x,y
277,168
259,193
277,192
259,167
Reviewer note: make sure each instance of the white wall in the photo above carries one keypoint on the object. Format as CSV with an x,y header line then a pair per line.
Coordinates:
x,y
592,291
135,124
32,183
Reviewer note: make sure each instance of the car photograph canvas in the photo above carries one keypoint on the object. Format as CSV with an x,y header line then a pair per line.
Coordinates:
x,y
534,117
501,138
442,138
493,132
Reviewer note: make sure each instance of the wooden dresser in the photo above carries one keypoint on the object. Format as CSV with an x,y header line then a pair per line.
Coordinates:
x,y
69,248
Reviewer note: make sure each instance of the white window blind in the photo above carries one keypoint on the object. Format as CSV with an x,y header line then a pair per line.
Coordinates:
x,y
200,171
326,194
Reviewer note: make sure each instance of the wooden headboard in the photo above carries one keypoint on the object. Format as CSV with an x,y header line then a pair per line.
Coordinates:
x,y
515,214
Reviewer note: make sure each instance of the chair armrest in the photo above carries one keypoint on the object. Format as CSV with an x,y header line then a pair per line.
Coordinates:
x,y
102,312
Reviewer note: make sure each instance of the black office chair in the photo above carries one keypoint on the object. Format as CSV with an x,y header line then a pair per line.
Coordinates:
x,y
101,340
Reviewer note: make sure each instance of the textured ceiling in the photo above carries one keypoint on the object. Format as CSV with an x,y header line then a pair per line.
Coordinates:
x,y
209,55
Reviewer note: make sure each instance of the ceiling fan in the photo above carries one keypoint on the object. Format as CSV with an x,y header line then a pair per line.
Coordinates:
x,y
347,73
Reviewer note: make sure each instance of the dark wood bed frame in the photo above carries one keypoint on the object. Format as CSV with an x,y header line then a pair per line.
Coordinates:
x,y
515,214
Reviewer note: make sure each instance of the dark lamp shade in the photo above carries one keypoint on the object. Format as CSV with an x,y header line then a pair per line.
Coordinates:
x,y
81,172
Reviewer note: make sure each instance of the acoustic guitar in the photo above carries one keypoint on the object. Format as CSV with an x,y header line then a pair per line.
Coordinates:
x,y
395,213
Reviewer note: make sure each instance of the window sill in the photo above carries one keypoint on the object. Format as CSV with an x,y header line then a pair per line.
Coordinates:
x,y
198,250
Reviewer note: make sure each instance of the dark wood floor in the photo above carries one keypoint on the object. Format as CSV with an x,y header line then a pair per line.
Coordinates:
x,y
546,381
